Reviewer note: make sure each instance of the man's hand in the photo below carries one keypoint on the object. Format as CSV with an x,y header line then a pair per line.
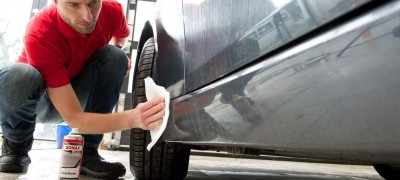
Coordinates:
x,y
128,67
149,115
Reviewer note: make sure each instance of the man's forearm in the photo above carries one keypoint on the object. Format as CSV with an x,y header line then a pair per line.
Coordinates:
x,y
146,115
95,123
67,104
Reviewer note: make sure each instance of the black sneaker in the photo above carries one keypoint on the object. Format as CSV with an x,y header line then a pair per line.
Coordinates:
x,y
95,166
14,156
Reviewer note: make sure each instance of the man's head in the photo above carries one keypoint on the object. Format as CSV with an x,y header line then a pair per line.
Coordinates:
x,y
80,14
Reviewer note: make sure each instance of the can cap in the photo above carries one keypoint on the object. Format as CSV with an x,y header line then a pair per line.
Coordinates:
x,y
75,131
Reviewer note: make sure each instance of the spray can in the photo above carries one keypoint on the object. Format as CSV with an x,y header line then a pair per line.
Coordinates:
x,y
71,156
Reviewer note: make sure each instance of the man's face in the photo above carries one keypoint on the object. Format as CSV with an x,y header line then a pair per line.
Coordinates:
x,y
80,14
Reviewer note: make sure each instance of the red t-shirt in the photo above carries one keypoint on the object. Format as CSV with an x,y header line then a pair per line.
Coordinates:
x,y
58,51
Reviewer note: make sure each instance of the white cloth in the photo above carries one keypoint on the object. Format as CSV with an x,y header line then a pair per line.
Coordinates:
x,y
152,92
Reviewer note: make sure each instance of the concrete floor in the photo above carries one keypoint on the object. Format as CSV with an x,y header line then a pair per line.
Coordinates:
x,y
46,158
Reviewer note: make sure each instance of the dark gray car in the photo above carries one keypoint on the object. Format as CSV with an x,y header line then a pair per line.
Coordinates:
x,y
300,78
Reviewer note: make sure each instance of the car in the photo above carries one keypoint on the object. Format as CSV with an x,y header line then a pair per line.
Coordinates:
x,y
295,78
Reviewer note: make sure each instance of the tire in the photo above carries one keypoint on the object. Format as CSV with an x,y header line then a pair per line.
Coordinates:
x,y
165,160
388,172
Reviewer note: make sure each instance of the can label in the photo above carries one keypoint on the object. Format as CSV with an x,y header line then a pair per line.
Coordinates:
x,y
71,157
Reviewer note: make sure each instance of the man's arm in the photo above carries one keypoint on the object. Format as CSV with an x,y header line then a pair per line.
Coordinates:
x,y
146,115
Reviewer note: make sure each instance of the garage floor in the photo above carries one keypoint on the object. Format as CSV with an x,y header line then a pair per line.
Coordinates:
x,y
46,158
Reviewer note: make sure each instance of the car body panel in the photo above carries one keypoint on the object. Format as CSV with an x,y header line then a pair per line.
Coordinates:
x,y
218,32
330,94
202,40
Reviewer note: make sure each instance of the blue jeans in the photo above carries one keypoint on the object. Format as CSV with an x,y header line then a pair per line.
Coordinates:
x,y
24,100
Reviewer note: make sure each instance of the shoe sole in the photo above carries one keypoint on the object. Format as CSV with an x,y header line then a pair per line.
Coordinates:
x,y
13,168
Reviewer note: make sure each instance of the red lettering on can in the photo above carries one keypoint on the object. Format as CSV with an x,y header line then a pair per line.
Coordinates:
x,y
69,147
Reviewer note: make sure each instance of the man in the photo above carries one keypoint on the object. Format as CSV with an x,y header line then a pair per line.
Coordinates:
x,y
68,72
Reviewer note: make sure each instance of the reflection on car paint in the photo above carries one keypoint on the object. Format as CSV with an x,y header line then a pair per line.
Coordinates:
x,y
270,26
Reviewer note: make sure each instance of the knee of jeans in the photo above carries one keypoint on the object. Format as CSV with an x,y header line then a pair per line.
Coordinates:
x,y
28,73
116,55
20,76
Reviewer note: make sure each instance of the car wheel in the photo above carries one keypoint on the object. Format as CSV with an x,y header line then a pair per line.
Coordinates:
x,y
164,160
389,172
